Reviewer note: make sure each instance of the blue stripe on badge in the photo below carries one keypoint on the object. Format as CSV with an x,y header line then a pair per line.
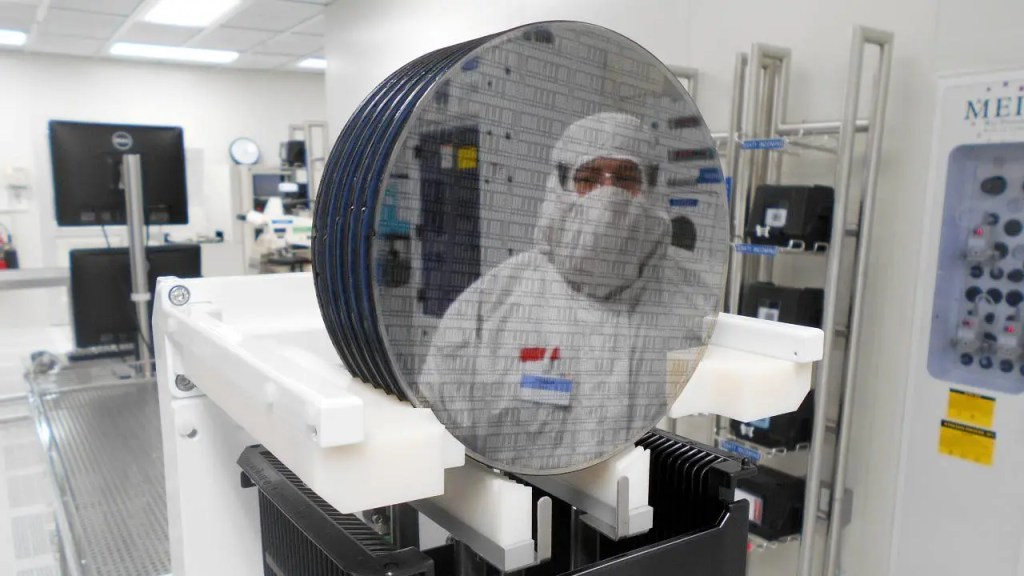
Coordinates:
x,y
550,383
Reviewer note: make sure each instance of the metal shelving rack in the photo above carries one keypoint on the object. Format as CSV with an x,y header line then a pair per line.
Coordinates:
x,y
758,134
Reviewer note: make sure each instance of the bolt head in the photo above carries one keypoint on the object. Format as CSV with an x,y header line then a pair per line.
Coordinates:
x,y
179,295
181,382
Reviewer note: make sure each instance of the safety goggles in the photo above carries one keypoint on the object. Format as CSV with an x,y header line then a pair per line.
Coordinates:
x,y
603,171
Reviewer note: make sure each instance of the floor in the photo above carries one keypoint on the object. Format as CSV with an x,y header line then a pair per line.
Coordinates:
x,y
28,537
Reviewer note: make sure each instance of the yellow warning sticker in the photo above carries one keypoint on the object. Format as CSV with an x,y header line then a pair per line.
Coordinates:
x,y
967,442
970,408
465,158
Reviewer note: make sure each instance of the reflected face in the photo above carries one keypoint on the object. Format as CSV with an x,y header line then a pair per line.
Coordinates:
x,y
617,172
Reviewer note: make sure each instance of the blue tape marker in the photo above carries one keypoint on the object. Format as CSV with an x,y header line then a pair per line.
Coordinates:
x,y
737,448
763,423
757,249
683,202
763,144
709,176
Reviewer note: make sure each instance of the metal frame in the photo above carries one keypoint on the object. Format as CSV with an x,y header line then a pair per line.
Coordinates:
x,y
862,38
760,94
691,75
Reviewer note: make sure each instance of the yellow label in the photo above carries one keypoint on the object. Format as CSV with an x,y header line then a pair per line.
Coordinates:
x,y
465,158
967,442
973,409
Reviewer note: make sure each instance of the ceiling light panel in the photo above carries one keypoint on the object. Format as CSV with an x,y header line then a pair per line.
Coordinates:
x,y
313,64
192,13
12,37
174,53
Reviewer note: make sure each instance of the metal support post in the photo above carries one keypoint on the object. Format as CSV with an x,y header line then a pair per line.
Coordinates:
x,y
691,75
131,180
884,41
861,37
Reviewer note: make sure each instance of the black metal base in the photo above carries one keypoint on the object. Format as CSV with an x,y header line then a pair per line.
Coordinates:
x,y
698,528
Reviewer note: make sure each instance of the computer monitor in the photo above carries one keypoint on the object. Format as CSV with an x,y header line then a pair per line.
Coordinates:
x,y
101,286
265,186
87,172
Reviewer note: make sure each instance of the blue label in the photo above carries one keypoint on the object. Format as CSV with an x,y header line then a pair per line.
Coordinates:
x,y
737,448
757,249
286,221
709,176
550,383
683,202
763,144
728,189
763,423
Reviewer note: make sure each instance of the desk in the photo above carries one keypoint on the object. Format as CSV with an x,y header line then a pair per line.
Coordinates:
x,y
100,426
26,278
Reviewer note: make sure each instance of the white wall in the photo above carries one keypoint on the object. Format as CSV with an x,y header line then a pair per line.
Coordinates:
x,y
368,39
214,106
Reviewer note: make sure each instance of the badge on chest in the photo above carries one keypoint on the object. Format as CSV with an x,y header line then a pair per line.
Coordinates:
x,y
540,379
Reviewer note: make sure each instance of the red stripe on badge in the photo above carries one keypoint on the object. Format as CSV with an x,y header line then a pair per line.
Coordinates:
x,y
532,354
556,354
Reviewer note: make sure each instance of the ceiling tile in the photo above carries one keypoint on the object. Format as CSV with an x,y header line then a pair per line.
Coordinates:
x,y
292,45
118,7
75,45
237,39
147,33
314,26
17,16
73,23
260,61
274,15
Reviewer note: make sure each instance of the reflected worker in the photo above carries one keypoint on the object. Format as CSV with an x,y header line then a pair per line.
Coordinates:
x,y
558,355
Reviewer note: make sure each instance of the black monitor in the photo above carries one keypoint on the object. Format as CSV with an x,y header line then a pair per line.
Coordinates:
x,y
101,286
266,186
87,172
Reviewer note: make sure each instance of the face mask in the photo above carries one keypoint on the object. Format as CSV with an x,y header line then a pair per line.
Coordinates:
x,y
604,239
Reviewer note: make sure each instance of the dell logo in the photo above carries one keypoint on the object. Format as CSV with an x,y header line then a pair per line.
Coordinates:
x,y
122,140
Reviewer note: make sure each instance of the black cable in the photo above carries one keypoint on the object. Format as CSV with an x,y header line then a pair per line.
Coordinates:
x,y
105,237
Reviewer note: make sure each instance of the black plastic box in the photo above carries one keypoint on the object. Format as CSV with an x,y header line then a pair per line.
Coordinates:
x,y
783,431
781,215
776,503
803,306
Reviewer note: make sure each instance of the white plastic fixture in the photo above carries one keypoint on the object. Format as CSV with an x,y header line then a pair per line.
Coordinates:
x,y
247,360
158,52
12,38
191,13
313,64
